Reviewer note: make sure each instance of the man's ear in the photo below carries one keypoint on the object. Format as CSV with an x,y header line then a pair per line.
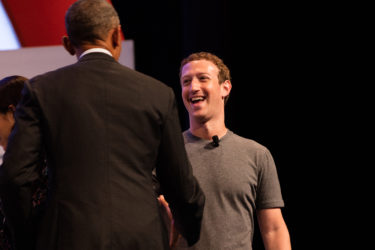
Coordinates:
x,y
116,42
226,88
68,45
116,37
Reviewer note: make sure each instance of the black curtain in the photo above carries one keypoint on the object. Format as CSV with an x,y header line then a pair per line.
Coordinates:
x,y
281,57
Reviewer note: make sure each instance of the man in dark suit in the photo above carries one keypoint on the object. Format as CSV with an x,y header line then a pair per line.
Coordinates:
x,y
103,128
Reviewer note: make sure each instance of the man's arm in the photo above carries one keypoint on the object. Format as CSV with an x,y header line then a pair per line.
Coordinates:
x,y
178,185
273,229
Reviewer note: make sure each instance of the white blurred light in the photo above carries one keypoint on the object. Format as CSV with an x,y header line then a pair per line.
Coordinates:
x,y
8,38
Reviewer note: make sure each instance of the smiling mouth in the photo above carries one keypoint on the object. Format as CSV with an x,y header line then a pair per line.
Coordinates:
x,y
197,99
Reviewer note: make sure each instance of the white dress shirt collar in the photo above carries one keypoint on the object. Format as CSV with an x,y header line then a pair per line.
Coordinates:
x,y
93,50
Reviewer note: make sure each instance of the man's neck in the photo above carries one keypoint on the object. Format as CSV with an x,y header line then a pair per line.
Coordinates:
x,y
208,129
100,45
95,50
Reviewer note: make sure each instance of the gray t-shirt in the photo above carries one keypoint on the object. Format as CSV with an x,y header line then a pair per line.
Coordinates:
x,y
237,177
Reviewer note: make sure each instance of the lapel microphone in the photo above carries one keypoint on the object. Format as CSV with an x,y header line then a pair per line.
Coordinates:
x,y
215,140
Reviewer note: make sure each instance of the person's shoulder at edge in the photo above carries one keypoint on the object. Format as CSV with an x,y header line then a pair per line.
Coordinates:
x,y
247,141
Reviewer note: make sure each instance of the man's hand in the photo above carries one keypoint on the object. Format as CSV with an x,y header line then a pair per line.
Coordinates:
x,y
174,235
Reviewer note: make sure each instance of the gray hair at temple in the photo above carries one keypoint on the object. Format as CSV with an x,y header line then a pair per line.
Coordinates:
x,y
87,21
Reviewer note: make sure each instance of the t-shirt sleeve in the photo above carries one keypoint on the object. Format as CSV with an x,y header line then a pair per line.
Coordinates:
x,y
268,191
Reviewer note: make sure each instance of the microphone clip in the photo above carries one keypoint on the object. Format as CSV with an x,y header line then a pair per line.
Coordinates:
x,y
215,141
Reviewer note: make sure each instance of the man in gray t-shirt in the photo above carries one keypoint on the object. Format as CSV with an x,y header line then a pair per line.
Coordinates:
x,y
237,175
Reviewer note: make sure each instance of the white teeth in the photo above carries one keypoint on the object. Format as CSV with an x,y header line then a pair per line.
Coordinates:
x,y
196,99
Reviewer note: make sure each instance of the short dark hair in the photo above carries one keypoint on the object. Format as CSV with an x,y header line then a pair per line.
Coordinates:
x,y
87,21
10,91
224,72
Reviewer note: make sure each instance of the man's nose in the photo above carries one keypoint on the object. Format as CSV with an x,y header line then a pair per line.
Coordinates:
x,y
195,84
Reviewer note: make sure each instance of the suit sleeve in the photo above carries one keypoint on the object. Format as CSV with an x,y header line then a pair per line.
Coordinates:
x,y
20,169
177,183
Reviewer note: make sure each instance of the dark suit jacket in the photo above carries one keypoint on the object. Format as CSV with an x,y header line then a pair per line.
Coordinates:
x,y
104,127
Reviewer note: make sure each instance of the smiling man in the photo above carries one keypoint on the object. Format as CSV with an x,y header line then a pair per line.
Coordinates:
x,y
238,175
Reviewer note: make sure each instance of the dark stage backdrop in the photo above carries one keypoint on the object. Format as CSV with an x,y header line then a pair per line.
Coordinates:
x,y
281,58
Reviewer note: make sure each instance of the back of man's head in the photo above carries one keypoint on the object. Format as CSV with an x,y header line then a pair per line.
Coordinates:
x,y
87,21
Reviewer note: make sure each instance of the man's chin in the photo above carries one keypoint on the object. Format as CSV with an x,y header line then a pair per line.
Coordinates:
x,y
199,118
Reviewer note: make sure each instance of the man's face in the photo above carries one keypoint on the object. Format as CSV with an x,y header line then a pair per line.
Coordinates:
x,y
201,92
